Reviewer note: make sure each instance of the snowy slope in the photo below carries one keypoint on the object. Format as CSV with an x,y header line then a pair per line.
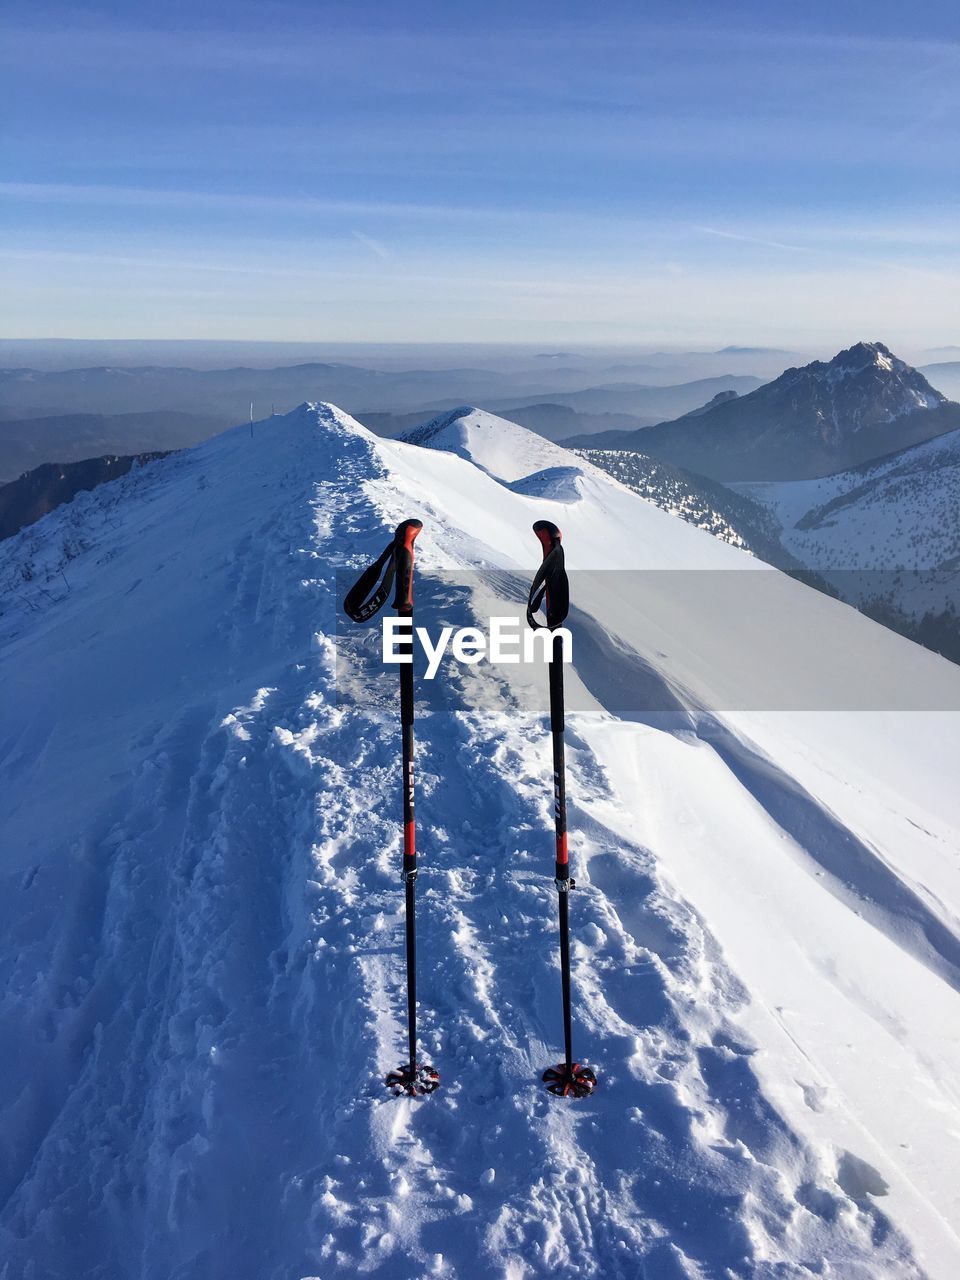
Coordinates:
x,y
887,529
900,511
201,966
707,504
501,448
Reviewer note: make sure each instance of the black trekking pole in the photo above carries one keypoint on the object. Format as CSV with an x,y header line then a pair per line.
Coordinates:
x,y
363,601
551,589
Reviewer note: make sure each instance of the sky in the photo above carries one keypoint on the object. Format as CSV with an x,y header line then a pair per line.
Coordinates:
x,y
652,173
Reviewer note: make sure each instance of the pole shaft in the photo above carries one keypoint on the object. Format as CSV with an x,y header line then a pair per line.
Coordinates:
x,y
560,822
411,905
559,762
405,649
564,909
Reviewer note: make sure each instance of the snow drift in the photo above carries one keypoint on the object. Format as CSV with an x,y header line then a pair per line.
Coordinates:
x,y
201,956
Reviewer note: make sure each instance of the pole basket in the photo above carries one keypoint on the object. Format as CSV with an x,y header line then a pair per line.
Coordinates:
x,y
577,1082
414,1080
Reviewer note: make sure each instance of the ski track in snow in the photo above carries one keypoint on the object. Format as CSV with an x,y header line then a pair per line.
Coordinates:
x,y
199,1009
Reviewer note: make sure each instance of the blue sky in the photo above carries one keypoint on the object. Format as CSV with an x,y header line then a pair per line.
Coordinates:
x,y
664,173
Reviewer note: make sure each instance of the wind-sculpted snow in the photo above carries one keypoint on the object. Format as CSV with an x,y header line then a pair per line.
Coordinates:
x,y
501,448
201,951
556,484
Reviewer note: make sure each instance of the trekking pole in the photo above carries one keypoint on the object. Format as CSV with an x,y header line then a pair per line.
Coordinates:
x,y
551,588
364,601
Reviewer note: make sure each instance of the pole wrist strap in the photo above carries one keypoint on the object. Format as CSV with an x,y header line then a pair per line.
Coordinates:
x,y
369,593
551,589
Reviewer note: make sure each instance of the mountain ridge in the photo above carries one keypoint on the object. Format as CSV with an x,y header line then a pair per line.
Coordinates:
x,y
812,420
201,928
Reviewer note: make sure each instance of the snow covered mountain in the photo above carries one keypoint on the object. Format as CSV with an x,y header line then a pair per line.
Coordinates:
x,y
716,508
886,534
502,448
884,537
809,422
201,978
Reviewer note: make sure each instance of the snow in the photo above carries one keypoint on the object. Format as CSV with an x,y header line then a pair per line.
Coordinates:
x,y
888,527
201,974
899,511
870,355
500,448
670,489
883,398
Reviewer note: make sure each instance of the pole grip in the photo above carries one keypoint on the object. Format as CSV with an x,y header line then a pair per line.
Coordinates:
x,y
404,539
550,587
549,535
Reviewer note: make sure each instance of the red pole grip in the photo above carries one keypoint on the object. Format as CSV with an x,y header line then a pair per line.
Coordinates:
x,y
549,535
404,538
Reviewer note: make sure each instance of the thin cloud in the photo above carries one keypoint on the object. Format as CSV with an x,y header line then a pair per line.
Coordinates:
x,y
93,193
815,232
374,246
748,239
295,44
821,249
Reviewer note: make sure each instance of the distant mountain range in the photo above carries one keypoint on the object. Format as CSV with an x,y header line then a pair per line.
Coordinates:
x,y
811,421
73,414
639,399
945,376
25,443
592,413
883,534
228,393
